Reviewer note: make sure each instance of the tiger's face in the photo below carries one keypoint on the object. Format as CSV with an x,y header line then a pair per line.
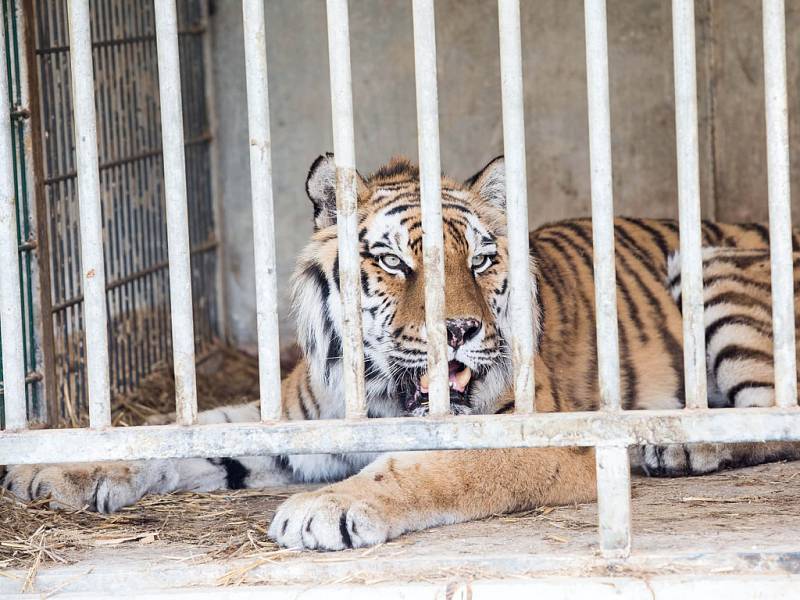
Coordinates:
x,y
393,289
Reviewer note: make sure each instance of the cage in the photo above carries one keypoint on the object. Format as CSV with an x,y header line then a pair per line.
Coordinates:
x,y
239,162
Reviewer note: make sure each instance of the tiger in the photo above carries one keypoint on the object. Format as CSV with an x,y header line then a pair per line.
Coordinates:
x,y
369,498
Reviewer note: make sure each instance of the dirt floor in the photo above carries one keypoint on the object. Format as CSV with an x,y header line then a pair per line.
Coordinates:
x,y
736,521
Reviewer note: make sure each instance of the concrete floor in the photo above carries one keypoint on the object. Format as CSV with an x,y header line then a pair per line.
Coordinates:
x,y
733,527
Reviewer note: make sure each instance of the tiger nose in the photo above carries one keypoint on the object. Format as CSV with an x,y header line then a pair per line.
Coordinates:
x,y
460,331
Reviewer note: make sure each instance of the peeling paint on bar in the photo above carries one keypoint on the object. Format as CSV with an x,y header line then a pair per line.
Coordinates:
x,y
180,273
780,210
255,51
613,490
694,345
724,425
614,501
10,299
346,208
93,279
519,295
431,196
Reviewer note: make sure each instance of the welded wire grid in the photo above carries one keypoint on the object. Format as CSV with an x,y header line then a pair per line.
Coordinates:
x,y
25,215
131,188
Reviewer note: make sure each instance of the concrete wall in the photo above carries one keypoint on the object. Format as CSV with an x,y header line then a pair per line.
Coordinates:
x,y
732,152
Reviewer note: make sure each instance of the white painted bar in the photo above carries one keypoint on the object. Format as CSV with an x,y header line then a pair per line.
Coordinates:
x,y
93,279
623,428
519,293
614,501
780,210
255,54
602,203
16,412
613,489
694,345
180,272
346,208
430,183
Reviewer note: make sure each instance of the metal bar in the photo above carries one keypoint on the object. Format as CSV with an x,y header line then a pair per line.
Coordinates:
x,y
519,293
255,54
430,183
605,287
694,345
91,220
780,210
16,408
625,428
180,273
613,478
346,208
614,501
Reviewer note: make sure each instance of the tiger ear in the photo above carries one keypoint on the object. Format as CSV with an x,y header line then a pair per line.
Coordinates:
x,y
490,183
321,189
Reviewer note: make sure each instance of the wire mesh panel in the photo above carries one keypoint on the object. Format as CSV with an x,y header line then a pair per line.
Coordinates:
x,y
131,187
25,211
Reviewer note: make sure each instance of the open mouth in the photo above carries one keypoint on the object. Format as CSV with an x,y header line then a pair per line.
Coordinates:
x,y
460,377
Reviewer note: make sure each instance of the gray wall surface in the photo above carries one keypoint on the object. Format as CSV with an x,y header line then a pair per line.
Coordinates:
x,y
730,90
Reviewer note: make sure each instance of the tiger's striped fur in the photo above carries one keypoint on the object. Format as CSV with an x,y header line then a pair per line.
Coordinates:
x,y
395,493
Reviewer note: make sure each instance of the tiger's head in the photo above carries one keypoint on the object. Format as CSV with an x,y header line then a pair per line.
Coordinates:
x,y
393,289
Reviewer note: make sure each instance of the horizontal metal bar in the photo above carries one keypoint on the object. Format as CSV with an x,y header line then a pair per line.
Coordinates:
x,y
114,43
694,346
780,207
724,425
203,138
207,246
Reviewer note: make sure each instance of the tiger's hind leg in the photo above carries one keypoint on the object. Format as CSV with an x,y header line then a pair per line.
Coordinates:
x,y
677,460
738,357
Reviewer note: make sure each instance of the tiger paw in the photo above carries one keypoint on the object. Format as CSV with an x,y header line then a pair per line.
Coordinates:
x,y
329,520
101,487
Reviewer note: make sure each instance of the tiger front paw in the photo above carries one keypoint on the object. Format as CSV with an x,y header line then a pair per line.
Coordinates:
x,y
329,520
101,487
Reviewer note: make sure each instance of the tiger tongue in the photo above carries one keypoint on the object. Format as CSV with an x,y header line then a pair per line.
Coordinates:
x,y
459,379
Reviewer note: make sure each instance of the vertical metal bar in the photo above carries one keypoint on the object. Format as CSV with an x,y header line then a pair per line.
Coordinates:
x,y
255,54
613,470
91,224
602,203
180,273
346,207
780,210
694,345
431,198
614,501
16,412
519,294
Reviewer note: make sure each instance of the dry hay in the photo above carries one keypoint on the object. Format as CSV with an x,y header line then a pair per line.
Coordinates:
x,y
31,534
